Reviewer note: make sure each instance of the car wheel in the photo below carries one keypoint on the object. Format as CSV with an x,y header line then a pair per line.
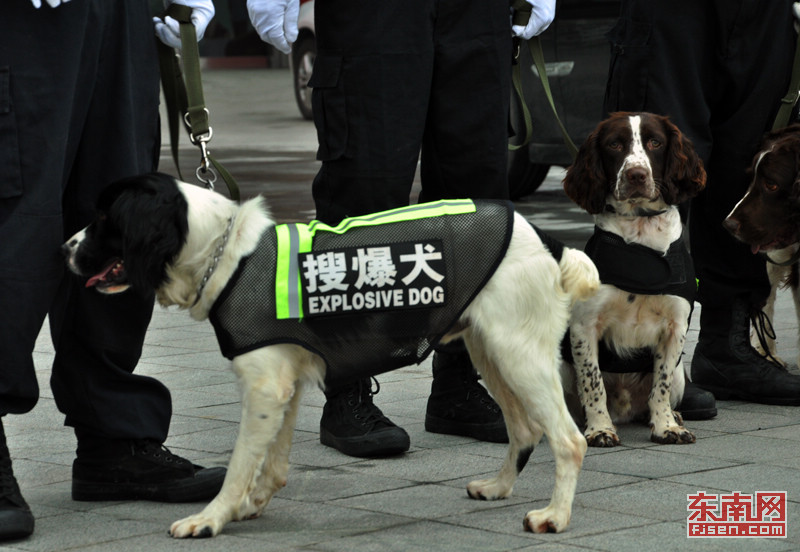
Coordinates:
x,y
524,177
304,52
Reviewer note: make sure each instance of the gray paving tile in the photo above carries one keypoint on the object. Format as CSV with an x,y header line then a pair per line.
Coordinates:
x,y
425,536
653,463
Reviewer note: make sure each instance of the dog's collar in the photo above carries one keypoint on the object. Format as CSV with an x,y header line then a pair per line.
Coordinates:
x,y
215,259
792,260
637,212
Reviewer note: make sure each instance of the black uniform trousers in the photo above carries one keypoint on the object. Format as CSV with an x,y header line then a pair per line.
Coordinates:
x,y
718,68
398,77
78,109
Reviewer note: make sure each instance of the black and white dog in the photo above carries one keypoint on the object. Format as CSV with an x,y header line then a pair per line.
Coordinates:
x,y
189,244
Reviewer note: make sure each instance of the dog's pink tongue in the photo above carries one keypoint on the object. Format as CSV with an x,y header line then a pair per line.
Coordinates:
x,y
100,275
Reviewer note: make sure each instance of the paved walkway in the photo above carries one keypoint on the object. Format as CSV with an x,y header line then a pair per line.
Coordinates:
x,y
630,498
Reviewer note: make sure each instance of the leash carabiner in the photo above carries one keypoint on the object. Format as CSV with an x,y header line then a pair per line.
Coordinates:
x,y
204,172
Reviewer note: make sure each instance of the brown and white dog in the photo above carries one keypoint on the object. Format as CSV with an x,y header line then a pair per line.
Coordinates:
x,y
187,243
631,173
768,219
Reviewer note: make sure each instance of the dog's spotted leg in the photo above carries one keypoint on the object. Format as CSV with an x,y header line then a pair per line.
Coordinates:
x,y
600,431
268,401
666,426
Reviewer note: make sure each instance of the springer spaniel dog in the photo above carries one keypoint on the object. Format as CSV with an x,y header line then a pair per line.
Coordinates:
x,y
626,342
296,304
768,219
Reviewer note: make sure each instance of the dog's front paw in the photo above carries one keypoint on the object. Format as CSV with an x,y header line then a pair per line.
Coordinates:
x,y
547,520
673,436
197,526
488,489
602,438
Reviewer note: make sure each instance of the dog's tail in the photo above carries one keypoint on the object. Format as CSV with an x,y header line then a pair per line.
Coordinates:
x,y
579,277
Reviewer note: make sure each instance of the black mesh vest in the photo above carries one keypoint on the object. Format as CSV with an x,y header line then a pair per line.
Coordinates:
x,y
376,328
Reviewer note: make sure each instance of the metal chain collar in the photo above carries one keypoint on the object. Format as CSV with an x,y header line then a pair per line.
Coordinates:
x,y
215,260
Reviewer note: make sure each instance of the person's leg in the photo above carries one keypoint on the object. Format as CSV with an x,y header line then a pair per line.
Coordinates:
x,y
114,133
465,145
120,419
35,85
370,95
465,154
371,84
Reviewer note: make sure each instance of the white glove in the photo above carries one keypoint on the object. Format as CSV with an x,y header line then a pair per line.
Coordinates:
x,y
542,14
169,30
52,3
275,21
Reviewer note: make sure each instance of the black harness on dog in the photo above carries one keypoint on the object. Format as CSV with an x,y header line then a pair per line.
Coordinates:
x,y
637,269
370,295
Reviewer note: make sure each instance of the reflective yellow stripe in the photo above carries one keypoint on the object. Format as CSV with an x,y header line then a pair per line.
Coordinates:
x,y
401,214
292,240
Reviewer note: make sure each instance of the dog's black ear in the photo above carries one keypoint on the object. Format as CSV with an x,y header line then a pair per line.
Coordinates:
x,y
152,219
684,174
585,182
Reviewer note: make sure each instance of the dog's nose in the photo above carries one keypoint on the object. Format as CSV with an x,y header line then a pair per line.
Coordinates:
x,y
731,225
636,175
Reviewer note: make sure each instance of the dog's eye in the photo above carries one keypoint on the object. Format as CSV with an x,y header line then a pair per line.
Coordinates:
x,y
770,185
653,144
615,145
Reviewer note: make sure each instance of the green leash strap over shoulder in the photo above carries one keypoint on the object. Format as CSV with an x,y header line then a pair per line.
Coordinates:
x,y
183,93
521,15
788,101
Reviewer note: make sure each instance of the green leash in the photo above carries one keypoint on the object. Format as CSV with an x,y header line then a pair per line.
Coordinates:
x,y
522,13
183,96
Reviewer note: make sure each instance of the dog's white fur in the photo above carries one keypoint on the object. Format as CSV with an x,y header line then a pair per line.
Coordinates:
x,y
512,330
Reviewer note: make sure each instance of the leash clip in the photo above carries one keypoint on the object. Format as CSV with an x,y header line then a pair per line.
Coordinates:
x,y
205,172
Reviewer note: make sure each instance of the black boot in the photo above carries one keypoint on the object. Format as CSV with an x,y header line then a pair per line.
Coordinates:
x,y
16,519
697,404
727,365
352,424
139,470
459,404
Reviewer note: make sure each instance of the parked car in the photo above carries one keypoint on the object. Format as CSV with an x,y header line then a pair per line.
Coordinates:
x,y
577,56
